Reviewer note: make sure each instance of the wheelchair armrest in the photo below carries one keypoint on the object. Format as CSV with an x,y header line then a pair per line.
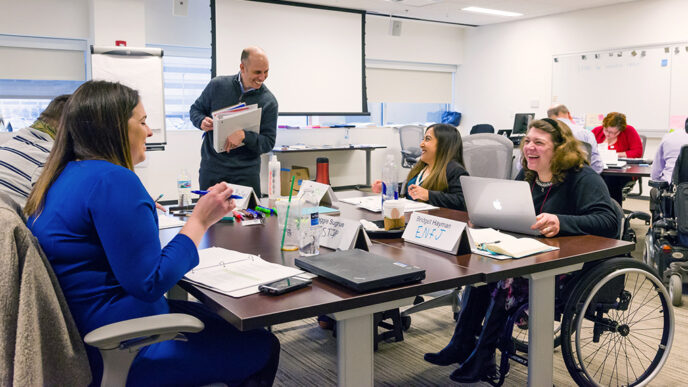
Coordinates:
x,y
644,216
150,329
659,184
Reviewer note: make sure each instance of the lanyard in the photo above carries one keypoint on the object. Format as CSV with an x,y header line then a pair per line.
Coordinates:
x,y
419,178
546,195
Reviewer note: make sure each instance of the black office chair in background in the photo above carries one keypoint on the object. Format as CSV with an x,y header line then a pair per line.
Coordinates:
x,y
482,128
629,186
410,137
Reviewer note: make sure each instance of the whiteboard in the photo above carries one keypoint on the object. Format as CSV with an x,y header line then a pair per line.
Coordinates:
x,y
648,84
140,69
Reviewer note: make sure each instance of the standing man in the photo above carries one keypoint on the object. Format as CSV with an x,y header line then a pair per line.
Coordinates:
x,y
237,164
561,113
22,157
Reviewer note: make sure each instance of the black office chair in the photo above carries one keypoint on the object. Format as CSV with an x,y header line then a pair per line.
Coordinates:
x,y
482,128
629,186
410,137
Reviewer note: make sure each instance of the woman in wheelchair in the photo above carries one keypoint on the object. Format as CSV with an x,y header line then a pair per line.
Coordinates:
x,y
570,199
435,177
98,227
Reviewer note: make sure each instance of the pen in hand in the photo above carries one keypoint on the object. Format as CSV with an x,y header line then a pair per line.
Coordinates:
x,y
158,198
202,192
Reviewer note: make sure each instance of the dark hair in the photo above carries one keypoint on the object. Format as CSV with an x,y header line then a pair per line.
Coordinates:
x,y
449,147
52,114
615,120
94,126
568,153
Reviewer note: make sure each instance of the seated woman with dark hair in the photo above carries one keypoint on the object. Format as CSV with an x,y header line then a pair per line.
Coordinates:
x,y
98,227
569,199
435,178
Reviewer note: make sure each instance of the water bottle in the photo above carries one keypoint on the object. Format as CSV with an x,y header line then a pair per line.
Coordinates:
x,y
309,224
390,185
274,182
184,189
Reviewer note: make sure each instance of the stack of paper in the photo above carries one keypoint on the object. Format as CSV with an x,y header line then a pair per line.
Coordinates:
x,y
235,274
495,244
374,204
169,222
232,118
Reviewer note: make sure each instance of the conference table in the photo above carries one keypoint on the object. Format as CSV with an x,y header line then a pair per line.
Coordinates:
x,y
629,170
354,311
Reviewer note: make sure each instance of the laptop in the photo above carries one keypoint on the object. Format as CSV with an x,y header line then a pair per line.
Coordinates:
x,y
501,204
360,270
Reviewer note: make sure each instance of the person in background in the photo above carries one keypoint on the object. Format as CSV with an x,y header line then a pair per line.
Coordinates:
x,y
98,228
667,153
23,155
435,178
562,113
570,199
623,139
238,164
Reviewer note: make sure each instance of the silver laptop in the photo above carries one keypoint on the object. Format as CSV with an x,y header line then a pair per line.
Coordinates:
x,y
500,204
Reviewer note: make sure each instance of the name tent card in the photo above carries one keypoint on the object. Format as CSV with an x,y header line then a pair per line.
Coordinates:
x,y
343,234
437,233
323,192
248,197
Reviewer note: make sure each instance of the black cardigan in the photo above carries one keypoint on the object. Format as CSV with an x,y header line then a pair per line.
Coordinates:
x,y
453,196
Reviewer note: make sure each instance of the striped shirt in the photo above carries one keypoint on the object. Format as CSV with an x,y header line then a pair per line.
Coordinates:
x,y
21,162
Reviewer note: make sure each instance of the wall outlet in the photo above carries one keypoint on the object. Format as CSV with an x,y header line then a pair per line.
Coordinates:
x,y
534,103
395,27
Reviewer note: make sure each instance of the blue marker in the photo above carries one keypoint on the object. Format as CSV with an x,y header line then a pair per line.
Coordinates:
x,y
205,192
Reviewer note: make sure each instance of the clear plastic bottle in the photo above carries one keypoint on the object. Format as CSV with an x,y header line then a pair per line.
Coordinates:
x,y
274,182
309,224
390,184
184,189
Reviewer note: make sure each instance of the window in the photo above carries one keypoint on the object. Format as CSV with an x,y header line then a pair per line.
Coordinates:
x,y
186,72
40,69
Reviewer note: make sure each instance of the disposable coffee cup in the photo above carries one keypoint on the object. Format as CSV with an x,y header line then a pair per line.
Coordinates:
x,y
393,212
291,235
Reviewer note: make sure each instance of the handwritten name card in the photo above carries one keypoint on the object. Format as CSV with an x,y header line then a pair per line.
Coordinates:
x,y
434,232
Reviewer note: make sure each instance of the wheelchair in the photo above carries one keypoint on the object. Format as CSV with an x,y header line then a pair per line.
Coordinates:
x,y
613,319
666,242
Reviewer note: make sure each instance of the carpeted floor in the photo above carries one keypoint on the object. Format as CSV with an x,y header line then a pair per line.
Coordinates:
x,y
308,355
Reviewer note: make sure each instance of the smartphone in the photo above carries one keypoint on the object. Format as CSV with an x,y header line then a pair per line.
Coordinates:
x,y
283,286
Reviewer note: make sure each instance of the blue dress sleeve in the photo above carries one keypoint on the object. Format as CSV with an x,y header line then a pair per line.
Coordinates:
x,y
124,217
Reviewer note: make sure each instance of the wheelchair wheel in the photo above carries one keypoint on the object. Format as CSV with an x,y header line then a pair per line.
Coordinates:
x,y
520,333
618,325
676,289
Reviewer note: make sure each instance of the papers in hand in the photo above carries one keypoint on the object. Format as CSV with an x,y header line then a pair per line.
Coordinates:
x,y
235,274
495,244
232,118
374,204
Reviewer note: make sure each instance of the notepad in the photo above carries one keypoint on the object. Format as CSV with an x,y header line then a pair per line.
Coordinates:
x,y
498,245
235,274
169,222
374,204
232,118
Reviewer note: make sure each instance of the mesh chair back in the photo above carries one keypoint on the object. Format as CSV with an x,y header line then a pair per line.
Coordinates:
x,y
482,128
488,155
587,147
643,140
410,137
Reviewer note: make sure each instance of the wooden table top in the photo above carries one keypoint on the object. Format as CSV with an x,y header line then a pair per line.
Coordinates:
x,y
630,170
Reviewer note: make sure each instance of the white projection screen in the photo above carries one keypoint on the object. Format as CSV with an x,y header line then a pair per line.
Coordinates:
x,y
316,54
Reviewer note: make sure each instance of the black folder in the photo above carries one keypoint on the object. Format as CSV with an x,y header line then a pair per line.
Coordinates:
x,y
360,270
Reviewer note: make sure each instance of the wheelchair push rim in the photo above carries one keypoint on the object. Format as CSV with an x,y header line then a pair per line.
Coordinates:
x,y
608,363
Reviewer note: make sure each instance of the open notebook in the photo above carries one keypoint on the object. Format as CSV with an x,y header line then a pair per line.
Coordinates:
x,y
498,245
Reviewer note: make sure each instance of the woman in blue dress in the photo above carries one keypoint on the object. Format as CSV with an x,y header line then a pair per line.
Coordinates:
x,y
98,227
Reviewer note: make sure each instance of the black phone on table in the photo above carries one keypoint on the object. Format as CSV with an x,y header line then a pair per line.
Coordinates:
x,y
283,286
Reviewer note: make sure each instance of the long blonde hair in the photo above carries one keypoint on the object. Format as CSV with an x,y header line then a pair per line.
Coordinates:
x,y
449,147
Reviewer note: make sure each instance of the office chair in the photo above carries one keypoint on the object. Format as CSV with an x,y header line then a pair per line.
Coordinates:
x,y
482,128
40,341
587,147
410,137
488,155
629,186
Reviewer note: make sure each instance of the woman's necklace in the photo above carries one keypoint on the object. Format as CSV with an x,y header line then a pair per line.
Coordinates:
x,y
542,184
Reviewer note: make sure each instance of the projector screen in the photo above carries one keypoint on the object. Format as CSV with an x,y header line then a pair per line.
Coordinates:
x,y
317,64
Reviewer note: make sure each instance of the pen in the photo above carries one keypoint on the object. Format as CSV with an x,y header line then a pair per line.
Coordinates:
x,y
159,197
264,210
237,215
202,192
255,214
